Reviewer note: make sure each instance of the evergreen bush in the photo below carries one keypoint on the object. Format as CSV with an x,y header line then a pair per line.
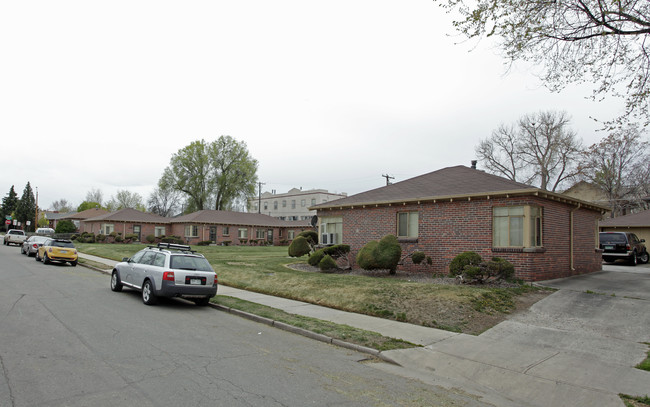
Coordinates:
x,y
310,235
418,257
150,238
65,226
457,265
299,247
315,258
327,263
384,254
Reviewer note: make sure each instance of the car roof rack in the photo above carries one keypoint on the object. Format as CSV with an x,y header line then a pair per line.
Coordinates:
x,y
174,246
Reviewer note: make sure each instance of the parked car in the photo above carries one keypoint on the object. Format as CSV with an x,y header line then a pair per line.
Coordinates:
x,y
31,245
623,245
15,236
45,231
59,250
168,270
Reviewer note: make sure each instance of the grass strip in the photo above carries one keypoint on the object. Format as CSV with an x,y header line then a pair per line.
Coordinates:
x,y
337,331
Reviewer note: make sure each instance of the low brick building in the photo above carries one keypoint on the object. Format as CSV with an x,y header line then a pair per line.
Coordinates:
x,y
545,235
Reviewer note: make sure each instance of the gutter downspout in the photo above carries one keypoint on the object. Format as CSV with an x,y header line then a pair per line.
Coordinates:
x,y
572,265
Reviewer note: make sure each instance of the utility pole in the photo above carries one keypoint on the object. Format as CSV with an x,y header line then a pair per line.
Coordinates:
x,y
388,178
36,222
259,201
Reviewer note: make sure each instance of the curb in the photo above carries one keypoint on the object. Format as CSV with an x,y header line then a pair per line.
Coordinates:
x,y
305,333
289,328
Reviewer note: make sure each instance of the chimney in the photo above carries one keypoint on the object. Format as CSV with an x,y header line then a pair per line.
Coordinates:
x,y
474,164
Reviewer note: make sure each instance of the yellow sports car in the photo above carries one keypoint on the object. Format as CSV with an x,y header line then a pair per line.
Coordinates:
x,y
60,250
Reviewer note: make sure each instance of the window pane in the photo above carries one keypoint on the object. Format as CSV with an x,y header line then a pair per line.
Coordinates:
x,y
402,224
413,224
516,210
501,211
516,231
500,232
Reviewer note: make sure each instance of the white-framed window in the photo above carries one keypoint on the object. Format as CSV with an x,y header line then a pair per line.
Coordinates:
x,y
191,231
159,231
291,234
225,231
108,228
303,203
517,226
260,233
333,225
242,233
407,224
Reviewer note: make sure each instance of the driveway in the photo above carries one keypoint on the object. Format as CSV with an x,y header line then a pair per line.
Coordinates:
x,y
576,347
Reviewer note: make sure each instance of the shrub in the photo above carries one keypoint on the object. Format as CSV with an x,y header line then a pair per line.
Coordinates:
x,y
101,237
502,268
327,263
496,268
338,250
172,239
226,242
205,243
316,257
418,257
150,238
384,254
429,260
457,265
65,226
299,247
131,237
310,235
119,239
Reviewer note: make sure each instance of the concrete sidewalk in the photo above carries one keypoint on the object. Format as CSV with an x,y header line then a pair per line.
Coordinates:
x,y
503,366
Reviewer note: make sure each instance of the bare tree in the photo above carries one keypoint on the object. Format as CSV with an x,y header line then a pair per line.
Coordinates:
x,y
62,205
125,199
603,42
164,201
540,149
619,165
95,195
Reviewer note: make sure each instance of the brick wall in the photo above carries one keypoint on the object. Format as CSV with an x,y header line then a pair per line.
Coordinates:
x,y
449,228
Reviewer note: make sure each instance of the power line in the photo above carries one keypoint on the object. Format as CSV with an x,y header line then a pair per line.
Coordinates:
x,y
388,178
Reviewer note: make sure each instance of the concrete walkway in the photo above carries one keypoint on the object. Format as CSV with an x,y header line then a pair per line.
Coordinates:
x,y
577,347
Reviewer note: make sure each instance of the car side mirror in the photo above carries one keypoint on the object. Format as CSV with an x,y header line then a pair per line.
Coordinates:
x,y
642,240
126,259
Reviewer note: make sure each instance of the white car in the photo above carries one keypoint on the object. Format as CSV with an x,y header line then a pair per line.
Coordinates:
x,y
31,245
169,270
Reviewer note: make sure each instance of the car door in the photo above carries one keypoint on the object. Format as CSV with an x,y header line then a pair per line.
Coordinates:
x,y
126,271
140,268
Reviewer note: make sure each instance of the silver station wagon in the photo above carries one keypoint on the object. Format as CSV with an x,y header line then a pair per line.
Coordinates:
x,y
168,270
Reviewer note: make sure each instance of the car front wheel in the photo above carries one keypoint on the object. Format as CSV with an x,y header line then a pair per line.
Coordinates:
x,y
46,260
116,284
643,259
148,297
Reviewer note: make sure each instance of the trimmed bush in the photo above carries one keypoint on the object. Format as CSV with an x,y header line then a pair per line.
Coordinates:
x,y
384,254
299,247
172,239
457,265
502,268
336,251
150,238
65,226
418,257
316,257
327,263
310,235
205,243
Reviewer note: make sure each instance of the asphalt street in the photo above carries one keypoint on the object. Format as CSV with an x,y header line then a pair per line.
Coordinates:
x,y
67,340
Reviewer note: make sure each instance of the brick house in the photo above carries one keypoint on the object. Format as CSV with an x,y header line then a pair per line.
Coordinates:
x,y
127,222
545,235
236,228
637,223
79,217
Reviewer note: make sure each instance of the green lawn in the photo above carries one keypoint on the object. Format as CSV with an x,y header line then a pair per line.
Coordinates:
x,y
458,308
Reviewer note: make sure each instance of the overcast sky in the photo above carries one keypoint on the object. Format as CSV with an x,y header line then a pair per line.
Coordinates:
x,y
325,94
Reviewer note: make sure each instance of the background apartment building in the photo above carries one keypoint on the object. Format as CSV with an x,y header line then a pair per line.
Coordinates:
x,y
292,205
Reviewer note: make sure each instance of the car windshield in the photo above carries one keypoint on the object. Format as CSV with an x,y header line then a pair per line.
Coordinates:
x,y
189,263
59,243
612,238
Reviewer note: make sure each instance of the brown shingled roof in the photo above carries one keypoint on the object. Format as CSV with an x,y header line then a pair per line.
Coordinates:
x,y
129,215
237,218
447,183
641,219
83,215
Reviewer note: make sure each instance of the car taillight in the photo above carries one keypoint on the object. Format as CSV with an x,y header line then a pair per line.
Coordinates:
x,y
168,276
35,246
629,247
216,280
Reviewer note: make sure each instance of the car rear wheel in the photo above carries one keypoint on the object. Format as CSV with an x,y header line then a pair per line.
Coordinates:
x,y
73,263
116,284
148,297
643,259
633,259
608,260
202,301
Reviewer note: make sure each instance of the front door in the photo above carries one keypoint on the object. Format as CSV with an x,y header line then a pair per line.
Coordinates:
x,y
269,236
213,234
137,230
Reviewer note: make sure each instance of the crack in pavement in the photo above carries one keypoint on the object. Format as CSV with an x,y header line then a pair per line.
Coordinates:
x,y
6,376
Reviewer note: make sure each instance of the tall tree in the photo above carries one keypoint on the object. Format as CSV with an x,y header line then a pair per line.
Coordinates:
x,y
619,165
85,205
540,149
164,201
62,205
212,174
9,203
572,41
95,195
125,199
26,209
